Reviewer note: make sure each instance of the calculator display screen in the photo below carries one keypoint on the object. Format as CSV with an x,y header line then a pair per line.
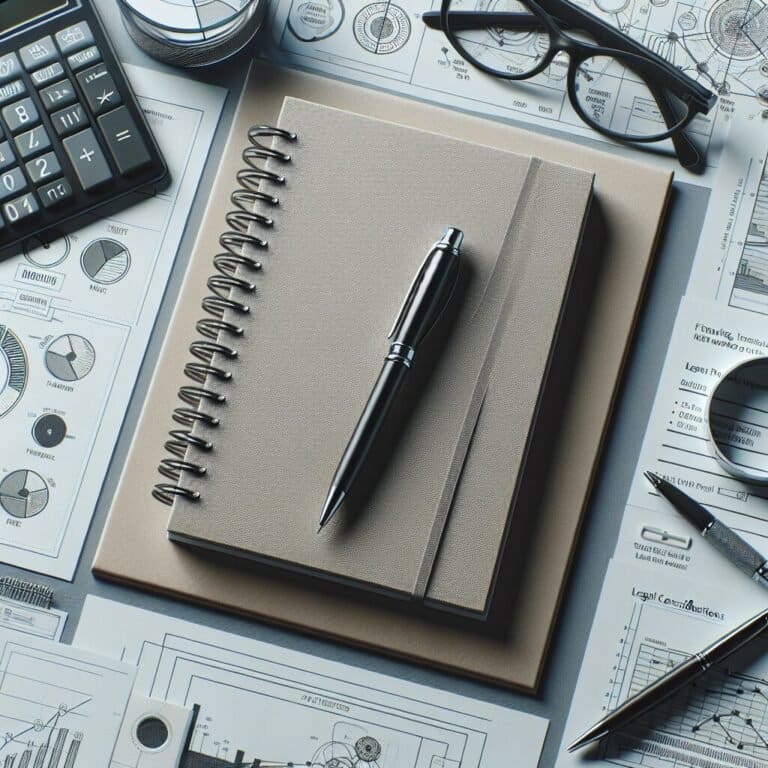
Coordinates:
x,y
14,13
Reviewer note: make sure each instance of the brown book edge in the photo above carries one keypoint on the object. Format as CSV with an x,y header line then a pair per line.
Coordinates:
x,y
637,214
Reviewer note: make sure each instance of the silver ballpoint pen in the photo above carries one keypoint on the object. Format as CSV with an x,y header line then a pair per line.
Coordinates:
x,y
674,680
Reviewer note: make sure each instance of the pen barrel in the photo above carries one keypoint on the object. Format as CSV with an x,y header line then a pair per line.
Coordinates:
x,y
380,401
747,559
653,695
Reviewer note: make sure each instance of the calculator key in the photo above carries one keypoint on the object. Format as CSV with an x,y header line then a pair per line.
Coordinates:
x,y
44,168
75,37
21,208
69,120
58,95
55,193
39,54
11,183
32,142
87,158
47,74
82,59
7,157
20,115
124,140
10,67
100,90
12,91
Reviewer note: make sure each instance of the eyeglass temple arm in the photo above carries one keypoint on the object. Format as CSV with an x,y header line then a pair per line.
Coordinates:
x,y
689,155
465,20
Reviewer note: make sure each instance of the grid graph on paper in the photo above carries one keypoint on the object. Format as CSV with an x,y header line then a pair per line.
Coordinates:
x,y
721,720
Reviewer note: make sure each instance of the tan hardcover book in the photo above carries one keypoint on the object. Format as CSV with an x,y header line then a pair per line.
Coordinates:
x,y
509,649
363,202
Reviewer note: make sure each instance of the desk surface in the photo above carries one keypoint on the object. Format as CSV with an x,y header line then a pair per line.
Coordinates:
x,y
601,526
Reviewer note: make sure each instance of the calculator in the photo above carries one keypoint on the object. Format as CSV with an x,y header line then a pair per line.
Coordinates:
x,y
73,140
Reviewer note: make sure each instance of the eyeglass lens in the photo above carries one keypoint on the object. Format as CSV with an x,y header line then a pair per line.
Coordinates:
x,y
645,111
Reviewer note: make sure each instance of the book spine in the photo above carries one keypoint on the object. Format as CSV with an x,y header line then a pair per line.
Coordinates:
x,y
218,331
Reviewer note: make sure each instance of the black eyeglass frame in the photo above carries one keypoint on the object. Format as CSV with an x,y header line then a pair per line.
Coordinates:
x,y
556,16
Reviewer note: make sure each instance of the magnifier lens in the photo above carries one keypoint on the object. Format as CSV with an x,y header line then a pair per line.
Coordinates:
x,y
738,421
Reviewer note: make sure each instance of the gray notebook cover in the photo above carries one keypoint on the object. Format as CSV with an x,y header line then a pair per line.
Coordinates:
x,y
364,201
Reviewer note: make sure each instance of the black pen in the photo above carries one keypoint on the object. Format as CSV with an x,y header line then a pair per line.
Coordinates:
x,y
674,680
726,541
425,301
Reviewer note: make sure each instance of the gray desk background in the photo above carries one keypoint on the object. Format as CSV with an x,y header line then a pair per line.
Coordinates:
x,y
604,515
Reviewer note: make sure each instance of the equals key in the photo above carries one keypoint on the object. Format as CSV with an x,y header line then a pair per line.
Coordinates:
x,y
124,141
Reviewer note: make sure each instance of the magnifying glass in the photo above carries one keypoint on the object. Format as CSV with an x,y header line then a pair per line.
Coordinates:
x,y
737,414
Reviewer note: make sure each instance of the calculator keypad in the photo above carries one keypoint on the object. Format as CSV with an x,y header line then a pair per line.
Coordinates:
x,y
61,106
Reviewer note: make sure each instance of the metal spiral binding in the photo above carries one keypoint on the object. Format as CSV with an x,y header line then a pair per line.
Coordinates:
x,y
226,288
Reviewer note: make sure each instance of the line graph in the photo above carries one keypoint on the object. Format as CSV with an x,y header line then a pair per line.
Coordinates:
x,y
59,707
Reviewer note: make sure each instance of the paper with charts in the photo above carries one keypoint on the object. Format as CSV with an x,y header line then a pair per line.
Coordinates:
x,y
731,264
260,702
722,44
75,318
59,707
646,623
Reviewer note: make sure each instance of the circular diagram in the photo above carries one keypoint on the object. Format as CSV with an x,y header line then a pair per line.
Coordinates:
x,y
737,30
105,261
313,20
368,749
70,357
47,250
13,370
49,430
23,493
382,28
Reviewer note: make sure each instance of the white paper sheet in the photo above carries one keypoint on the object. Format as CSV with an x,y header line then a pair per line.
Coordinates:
x,y
33,620
731,264
386,44
646,623
75,319
707,340
273,704
60,707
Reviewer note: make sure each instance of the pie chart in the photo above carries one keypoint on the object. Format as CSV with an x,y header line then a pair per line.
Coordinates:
x,y
105,261
70,357
13,370
23,493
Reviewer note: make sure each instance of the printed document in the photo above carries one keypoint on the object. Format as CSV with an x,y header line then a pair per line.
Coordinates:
x,y
76,313
266,703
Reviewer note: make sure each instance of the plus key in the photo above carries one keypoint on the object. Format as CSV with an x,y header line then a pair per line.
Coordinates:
x,y
87,159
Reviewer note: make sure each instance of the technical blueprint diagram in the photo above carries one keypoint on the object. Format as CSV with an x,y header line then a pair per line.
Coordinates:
x,y
259,702
76,313
722,44
646,623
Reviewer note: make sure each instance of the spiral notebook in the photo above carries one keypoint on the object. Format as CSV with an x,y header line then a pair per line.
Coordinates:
x,y
344,245
135,548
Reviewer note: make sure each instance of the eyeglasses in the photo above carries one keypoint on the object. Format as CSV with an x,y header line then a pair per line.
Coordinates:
x,y
519,39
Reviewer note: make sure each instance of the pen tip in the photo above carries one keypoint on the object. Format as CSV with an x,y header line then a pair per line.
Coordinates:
x,y
653,479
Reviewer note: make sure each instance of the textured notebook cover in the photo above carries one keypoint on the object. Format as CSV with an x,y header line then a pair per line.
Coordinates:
x,y
134,547
348,238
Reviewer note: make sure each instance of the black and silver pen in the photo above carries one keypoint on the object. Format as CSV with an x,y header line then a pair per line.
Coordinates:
x,y
673,681
425,301
726,541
